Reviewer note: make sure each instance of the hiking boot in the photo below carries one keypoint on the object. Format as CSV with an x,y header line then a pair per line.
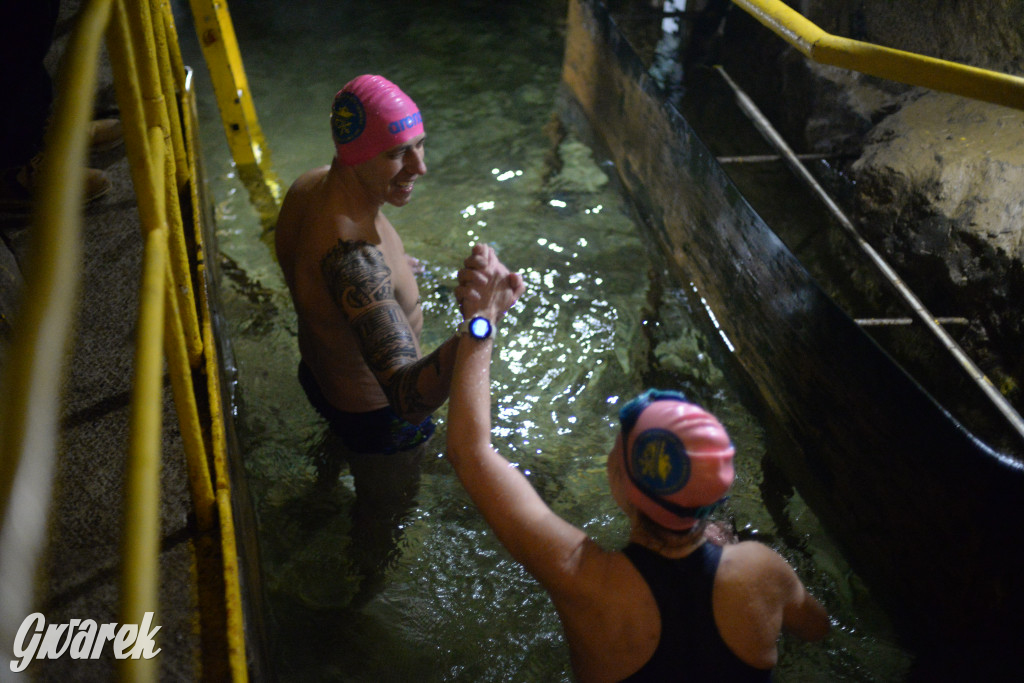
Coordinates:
x,y
104,134
17,185
97,184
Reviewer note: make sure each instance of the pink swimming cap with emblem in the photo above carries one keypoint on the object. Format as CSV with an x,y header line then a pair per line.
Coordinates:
x,y
370,115
679,462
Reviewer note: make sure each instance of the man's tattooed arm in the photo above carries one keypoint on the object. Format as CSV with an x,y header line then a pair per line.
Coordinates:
x,y
360,283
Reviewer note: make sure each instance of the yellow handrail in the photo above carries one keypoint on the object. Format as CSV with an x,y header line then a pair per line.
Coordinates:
x,y
156,114
234,98
186,345
136,119
174,320
30,399
141,539
884,62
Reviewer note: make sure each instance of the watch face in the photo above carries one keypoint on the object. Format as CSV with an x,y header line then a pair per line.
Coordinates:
x,y
480,328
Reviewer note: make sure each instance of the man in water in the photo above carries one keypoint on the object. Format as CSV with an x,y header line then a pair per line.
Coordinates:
x,y
352,284
359,315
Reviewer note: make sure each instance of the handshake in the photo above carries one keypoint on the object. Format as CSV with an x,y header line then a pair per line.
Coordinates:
x,y
486,287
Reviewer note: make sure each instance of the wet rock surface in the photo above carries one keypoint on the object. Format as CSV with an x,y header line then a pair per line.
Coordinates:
x,y
931,180
939,190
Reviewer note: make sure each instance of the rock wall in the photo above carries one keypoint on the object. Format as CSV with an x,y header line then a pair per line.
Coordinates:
x,y
932,180
983,33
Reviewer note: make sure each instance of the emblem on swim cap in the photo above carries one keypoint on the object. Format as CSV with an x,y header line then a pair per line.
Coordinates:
x,y
371,115
348,118
659,462
677,456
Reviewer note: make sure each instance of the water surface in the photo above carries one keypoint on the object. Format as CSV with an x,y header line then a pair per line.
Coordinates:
x,y
597,325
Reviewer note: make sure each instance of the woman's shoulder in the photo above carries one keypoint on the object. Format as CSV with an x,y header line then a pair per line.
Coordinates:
x,y
752,552
751,565
611,619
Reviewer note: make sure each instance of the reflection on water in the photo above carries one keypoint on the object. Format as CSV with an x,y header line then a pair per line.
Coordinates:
x,y
422,590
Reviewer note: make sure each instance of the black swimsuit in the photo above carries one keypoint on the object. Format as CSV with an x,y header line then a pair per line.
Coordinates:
x,y
378,431
690,647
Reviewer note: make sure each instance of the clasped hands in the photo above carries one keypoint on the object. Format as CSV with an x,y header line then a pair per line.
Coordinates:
x,y
486,287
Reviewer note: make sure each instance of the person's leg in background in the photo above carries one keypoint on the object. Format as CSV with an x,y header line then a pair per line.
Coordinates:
x,y
27,30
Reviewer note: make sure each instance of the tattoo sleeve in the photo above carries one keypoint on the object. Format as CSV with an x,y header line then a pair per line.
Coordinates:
x,y
360,284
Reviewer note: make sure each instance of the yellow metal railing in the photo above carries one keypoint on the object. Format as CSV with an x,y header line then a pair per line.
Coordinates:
x,y
234,99
30,397
884,62
174,322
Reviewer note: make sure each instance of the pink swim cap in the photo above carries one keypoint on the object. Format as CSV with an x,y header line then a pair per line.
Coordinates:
x,y
678,459
371,114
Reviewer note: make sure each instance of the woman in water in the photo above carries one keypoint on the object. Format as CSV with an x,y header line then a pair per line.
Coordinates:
x,y
673,604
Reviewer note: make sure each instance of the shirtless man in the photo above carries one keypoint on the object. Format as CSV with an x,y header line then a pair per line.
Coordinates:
x,y
353,285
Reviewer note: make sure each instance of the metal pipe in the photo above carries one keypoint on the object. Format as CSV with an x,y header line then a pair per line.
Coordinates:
x,y
765,158
886,322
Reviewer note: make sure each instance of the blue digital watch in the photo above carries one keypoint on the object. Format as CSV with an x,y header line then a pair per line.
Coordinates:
x,y
478,327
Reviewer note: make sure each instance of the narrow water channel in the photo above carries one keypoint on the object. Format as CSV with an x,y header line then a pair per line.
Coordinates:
x,y
599,322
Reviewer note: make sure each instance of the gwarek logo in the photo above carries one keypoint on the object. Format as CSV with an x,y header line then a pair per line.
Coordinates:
x,y
81,639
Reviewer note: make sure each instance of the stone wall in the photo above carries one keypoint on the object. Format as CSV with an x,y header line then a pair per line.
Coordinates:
x,y
932,180
983,33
